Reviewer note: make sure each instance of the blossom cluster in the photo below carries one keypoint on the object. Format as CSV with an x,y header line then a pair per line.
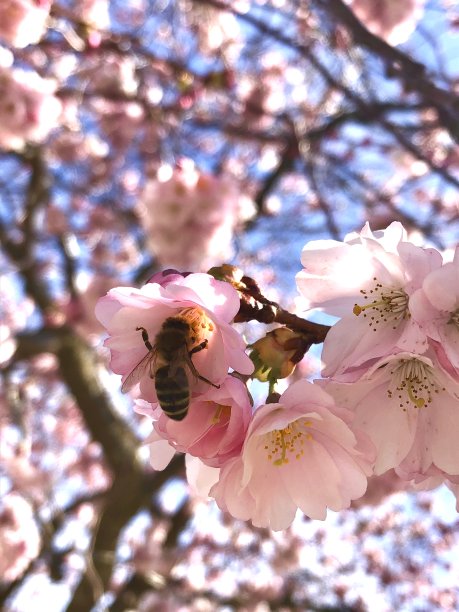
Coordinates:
x,y
200,208
298,442
392,20
393,356
29,110
387,402
19,537
23,22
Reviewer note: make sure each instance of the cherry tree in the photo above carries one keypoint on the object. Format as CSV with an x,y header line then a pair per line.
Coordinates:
x,y
272,185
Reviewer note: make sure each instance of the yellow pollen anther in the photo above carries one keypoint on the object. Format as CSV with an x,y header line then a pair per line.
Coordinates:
x,y
282,445
282,459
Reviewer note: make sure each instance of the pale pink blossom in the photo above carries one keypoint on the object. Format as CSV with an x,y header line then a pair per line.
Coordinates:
x,y
430,479
164,277
23,22
392,20
210,304
111,75
367,280
24,475
79,310
7,343
19,536
160,450
94,13
71,147
202,209
264,94
298,453
29,110
200,477
217,31
408,406
436,308
215,426
120,121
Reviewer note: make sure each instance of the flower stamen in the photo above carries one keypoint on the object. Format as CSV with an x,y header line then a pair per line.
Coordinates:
x,y
416,384
221,413
281,443
388,304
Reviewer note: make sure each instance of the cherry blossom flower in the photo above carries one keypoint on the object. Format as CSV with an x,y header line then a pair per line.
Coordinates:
x,y
95,13
7,343
214,428
217,31
200,477
430,479
210,305
111,75
120,121
29,110
264,95
79,310
200,208
23,22
19,536
164,277
367,280
408,406
392,20
24,475
436,308
298,453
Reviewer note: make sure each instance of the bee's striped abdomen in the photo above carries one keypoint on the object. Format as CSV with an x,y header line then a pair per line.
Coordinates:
x,y
173,392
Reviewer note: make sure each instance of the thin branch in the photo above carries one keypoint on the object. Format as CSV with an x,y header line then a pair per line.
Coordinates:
x,y
411,72
254,306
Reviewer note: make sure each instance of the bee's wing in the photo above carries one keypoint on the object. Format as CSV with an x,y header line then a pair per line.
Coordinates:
x,y
186,362
145,364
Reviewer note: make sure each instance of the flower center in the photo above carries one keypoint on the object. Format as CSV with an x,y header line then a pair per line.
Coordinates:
x,y
416,384
221,415
281,445
200,324
386,305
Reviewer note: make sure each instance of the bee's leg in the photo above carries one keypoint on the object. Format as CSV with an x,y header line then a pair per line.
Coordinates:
x,y
196,349
209,382
145,337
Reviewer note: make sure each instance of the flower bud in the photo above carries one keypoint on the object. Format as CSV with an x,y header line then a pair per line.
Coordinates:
x,y
276,355
227,272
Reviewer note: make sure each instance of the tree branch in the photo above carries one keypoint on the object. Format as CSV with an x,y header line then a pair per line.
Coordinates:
x,y
412,73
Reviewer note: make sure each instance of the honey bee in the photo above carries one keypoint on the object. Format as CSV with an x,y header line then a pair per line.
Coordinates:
x,y
169,362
